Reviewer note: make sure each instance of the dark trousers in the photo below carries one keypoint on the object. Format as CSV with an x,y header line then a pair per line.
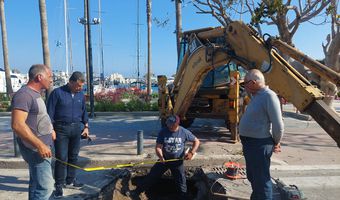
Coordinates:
x,y
177,171
67,147
257,153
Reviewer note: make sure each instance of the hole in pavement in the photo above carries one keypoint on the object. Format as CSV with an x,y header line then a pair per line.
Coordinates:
x,y
165,189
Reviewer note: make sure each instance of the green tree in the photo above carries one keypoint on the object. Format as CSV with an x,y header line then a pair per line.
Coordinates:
x,y
287,16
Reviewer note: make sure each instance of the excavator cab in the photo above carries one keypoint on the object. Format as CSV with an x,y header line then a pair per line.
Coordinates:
x,y
212,100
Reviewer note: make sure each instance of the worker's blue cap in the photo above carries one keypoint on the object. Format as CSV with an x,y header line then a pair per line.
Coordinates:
x,y
172,120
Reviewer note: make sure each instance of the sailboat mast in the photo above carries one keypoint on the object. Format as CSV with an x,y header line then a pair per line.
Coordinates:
x,y
138,48
66,37
69,39
101,45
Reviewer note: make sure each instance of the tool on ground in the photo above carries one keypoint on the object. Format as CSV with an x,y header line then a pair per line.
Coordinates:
x,y
288,192
233,170
88,169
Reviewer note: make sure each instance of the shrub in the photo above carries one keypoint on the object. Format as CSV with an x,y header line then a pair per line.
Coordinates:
x,y
108,101
4,97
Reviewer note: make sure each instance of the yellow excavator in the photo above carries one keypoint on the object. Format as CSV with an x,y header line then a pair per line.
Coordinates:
x,y
212,64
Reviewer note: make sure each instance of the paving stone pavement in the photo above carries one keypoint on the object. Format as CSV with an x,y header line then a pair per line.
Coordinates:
x,y
114,134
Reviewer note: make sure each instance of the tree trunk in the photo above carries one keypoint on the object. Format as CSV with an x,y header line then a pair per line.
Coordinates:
x,y
9,89
148,14
332,56
178,26
44,37
332,60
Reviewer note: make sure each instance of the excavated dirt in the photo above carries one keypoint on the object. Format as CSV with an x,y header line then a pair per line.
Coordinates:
x,y
164,190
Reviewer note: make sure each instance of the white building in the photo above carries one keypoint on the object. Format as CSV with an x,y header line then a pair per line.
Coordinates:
x,y
116,78
18,80
60,78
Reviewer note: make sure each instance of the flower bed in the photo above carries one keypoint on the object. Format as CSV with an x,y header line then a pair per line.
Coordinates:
x,y
124,99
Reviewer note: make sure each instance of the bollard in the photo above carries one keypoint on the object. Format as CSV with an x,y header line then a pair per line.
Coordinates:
x,y
140,142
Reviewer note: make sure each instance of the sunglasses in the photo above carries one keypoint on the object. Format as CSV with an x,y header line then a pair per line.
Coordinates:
x,y
246,82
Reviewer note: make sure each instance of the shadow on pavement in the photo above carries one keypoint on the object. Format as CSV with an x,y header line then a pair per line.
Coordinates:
x,y
8,181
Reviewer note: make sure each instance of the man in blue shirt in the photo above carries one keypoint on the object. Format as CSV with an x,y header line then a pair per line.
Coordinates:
x,y
170,144
67,110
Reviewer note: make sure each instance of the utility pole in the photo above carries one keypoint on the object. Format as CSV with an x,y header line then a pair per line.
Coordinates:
x,y
88,24
88,50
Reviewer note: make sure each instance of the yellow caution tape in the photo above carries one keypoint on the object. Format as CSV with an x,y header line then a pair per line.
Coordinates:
x,y
88,169
66,163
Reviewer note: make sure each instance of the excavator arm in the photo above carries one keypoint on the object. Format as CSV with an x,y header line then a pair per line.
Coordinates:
x,y
283,78
213,47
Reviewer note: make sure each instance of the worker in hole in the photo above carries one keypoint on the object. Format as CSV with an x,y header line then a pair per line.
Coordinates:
x,y
170,149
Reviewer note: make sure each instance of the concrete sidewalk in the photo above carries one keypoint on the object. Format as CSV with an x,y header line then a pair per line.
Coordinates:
x,y
115,143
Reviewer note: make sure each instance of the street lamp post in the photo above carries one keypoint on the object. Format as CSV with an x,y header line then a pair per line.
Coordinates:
x,y
87,25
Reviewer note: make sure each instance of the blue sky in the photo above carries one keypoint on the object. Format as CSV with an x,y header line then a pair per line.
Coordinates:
x,y
119,35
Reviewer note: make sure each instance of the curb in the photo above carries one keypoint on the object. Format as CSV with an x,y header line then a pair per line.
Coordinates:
x,y
141,113
297,116
5,114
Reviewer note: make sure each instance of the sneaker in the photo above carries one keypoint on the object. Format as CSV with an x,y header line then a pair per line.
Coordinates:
x,y
58,192
134,194
74,184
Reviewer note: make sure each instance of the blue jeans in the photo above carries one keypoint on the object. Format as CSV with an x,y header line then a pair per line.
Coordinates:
x,y
67,147
177,171
40,171
257,153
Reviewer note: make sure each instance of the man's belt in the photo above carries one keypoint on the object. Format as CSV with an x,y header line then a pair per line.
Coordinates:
x,y
66,123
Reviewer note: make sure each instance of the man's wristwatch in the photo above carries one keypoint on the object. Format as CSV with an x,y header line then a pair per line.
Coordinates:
x,y
86,127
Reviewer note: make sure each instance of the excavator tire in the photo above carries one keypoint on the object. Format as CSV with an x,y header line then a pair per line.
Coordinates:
x,y
163,122
187,122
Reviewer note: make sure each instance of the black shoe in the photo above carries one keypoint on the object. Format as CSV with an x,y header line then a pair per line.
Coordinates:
x,y
58,192
134,194
74,184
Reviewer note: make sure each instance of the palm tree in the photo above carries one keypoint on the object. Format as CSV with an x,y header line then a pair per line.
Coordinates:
x,y
44,36
178,25
9,89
